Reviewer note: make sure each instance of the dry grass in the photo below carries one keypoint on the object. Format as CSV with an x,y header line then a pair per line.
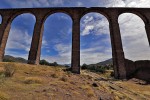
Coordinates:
x,y
7,71
54,75
33,80
50,83
88,90
4,96
64,78
2,70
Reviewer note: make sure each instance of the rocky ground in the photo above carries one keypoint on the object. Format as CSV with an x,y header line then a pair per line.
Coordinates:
x,y
32,82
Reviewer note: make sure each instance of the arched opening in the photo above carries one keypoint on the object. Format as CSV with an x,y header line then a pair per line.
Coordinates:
x,y
57,39
0,19
19,39
95,46
134,39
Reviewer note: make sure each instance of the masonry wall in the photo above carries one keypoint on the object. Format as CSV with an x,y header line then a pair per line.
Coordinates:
x,y
138,69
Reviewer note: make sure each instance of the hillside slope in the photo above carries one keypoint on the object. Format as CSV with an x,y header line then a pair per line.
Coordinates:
x,y
32,82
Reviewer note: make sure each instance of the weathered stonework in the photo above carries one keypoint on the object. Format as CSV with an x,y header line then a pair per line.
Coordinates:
x,y
138,69
120,64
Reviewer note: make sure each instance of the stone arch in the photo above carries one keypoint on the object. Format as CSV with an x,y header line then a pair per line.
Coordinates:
x,y
55,22
95,11
1,19
51,12
102,30
15,14
133,37
139,14
20,33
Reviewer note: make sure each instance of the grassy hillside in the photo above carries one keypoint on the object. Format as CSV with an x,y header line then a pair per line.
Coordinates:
x,y
32,82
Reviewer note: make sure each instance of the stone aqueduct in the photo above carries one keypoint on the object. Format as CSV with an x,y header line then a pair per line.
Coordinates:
x,y
123,68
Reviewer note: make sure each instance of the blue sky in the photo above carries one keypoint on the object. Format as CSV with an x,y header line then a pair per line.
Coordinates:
x,y
95,37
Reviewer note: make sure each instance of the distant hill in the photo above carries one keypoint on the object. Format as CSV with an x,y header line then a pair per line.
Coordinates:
x,y
103,63
109,61
8,58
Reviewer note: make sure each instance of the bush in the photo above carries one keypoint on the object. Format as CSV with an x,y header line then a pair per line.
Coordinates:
x,y
64,79
112,74
96,68
84,66
44,62
101,69
9,70
54,75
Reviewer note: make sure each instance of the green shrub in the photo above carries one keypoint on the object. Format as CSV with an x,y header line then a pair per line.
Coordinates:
x,y
112,74
84,66
44,62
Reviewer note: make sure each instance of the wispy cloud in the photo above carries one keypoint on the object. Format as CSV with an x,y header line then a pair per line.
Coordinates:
x,y
134,37
20,40
79,4
126,3
64,54
35,3
88,55
94,23
93,55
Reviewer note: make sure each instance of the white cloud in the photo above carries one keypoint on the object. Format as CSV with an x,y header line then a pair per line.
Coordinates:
x,y
94,22
126,3
134,37
95,54
88,56
79,4
17,54
18,39
27,16
87,30
56,2
35,3
64,54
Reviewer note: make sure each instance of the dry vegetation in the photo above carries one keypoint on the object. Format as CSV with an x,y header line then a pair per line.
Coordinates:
x,y
31,82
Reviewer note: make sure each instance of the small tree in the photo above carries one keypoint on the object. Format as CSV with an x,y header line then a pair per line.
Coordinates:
x,y
84,66
44,62
55,64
